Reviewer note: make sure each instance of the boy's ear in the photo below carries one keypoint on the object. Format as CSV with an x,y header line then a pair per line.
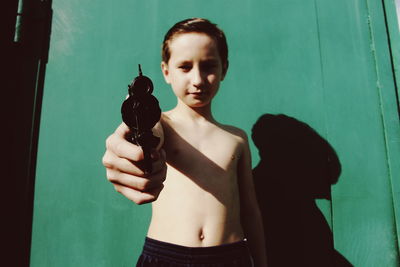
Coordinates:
x,y
165,71
224,70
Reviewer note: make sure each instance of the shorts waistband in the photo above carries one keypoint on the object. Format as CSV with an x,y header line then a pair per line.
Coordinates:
x,y
180,253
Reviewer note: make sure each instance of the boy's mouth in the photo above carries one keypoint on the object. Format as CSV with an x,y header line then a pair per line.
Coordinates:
x,y
199,93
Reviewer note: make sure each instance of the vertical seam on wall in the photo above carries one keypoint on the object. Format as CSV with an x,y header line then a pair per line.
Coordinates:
x,y
379,88
323,99
391,56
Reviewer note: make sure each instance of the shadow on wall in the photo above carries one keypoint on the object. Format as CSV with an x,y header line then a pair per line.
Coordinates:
x,y
296,167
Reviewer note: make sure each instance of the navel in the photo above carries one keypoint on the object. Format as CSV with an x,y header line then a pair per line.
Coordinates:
x,y
233,157
201,235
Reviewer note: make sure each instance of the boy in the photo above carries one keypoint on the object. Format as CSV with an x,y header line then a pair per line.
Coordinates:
x,y
204,206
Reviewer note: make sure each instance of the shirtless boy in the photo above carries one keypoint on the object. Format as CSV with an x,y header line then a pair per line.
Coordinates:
x,y
204,209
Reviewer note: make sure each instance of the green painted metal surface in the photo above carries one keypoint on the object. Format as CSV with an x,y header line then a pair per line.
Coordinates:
x,y
325,63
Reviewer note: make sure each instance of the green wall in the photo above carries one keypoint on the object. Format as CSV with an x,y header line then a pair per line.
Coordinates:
x,y
325,63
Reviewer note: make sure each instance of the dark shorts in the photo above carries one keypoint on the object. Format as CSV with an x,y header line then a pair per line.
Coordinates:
x,y
160,254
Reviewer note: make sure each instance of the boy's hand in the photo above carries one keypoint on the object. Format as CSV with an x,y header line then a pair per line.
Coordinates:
x,y
122,162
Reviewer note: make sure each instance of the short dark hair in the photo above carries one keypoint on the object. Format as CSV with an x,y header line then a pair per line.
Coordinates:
x,y
198,25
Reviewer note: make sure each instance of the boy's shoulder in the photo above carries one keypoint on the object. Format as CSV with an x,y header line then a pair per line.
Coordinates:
x,y
241,134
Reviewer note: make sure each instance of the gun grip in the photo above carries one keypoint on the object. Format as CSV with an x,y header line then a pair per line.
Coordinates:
x,y
148,168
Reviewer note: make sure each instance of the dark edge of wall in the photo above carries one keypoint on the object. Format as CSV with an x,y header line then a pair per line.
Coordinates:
x,y
26,51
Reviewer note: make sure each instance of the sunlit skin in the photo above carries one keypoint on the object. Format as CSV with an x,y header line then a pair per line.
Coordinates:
x,y
208,196
198,205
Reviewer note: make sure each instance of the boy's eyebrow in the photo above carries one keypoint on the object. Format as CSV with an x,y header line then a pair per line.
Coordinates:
x,y
183,62
211,60
207,60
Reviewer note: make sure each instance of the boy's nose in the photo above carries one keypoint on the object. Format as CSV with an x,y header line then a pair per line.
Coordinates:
x,y
197,77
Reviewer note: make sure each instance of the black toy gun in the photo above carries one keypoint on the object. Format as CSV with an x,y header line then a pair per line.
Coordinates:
x,y
140,112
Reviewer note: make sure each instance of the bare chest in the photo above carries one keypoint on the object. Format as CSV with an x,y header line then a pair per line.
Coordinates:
x,y
215,153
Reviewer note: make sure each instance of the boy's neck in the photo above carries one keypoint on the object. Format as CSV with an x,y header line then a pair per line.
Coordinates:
x,y
190,114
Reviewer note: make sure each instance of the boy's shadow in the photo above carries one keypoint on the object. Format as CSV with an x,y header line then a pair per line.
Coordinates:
x,y
296,167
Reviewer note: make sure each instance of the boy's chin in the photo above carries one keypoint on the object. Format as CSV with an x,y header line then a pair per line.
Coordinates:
x,y
198,104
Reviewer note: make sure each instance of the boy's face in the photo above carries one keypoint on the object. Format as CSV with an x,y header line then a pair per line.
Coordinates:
x,y
194,69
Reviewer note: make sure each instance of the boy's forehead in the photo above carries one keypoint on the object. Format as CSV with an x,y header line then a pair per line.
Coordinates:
x,y
193,44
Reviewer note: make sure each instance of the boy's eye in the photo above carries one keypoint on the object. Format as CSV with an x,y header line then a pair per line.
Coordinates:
x,y
209,66
185,67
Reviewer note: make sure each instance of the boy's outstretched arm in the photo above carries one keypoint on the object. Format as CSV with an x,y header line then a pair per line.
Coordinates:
x,y
250,213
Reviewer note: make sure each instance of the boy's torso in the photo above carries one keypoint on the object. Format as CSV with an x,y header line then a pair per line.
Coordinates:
x,y
199,205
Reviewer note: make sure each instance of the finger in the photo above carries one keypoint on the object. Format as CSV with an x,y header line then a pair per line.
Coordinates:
x,y
122,130
113,162
124,149
137,196
134,182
